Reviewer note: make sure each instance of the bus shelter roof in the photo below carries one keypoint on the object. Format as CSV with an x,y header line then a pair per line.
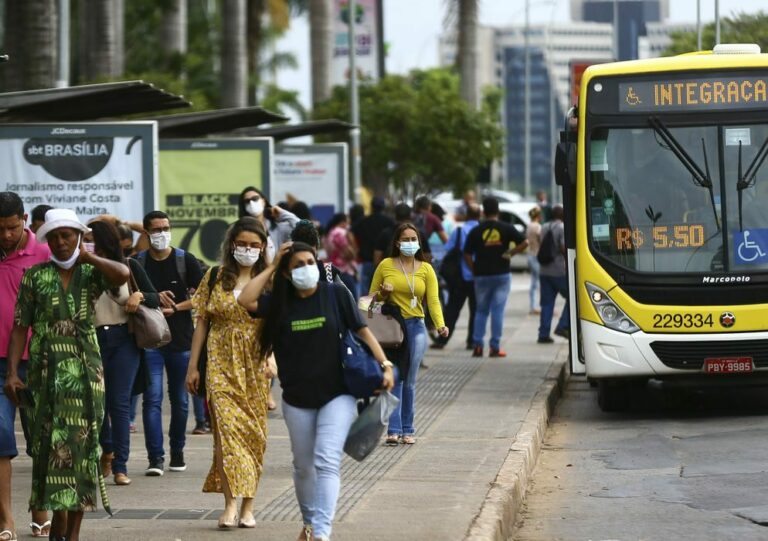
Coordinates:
x,y
288,131
87,102
200,124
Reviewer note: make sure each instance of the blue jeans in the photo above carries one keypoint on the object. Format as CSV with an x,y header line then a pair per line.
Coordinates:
x,y
535,267
401,421
317,443
8,414
120,358
491,294
175,363
550,287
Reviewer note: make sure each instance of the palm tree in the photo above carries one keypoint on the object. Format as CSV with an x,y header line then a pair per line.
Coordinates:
x,y
233,54
467,51
321,37
173,28
31,41
119,20
96,19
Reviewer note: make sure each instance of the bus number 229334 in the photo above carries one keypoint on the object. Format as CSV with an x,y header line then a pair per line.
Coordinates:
x,y
682,321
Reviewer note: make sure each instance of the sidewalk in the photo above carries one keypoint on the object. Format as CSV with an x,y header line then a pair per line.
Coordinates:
x,y
473,416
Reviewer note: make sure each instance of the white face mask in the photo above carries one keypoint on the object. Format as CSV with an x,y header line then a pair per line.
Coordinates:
x,y
409,248
247,257
69,263
255,208
305,277
160,241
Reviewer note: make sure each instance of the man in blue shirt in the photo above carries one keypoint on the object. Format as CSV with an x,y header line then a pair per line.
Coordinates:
x,y
464,290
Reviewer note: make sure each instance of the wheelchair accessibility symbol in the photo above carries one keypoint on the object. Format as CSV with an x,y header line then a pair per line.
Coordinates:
x,y
632,98
749,246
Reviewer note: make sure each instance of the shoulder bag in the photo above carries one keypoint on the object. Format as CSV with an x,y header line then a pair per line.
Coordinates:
x,y
450,268
202,360
362,372
149,327
384,327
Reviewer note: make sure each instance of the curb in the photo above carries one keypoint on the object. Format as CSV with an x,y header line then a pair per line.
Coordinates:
x,y
499,510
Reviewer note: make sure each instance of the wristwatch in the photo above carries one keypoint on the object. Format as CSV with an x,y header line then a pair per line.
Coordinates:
x,y
387,363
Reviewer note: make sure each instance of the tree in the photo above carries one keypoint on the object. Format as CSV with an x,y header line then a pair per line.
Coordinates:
x,y
741,28
173,29
467,50
30,39
233,54
321,47
97,39
411,128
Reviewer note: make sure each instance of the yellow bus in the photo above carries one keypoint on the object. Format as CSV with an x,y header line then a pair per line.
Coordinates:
x,y
665,183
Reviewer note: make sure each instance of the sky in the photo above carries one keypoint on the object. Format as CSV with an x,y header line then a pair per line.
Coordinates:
x,y
412,27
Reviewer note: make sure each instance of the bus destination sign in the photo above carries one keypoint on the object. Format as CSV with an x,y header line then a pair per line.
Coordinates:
x,y
700,94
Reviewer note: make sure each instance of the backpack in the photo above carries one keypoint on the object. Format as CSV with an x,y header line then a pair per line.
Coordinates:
x,y
181,263
547,250
450,268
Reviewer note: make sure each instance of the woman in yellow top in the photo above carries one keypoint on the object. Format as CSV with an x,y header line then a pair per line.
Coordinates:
x,y
405,279
237,375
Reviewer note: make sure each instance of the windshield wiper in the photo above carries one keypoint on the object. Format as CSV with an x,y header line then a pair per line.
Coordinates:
x,y
748,179
700,178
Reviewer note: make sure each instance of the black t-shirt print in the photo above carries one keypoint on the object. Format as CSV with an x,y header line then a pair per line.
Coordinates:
x,y
307,349
165,277
487,243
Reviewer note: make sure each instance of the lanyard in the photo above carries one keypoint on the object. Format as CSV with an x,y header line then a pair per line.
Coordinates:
x,y
411,284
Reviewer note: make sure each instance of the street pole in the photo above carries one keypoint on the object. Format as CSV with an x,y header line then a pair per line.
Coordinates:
x,y
354,106
62,81
616,30
527,104
698,25
717,22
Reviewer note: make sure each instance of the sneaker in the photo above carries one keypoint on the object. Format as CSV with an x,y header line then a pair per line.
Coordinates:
x,y
497,353
565,333
200,428
177,461
155,468
545,340
477,351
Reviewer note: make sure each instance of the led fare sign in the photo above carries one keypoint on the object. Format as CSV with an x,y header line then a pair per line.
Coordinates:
x,y
700,94
660,237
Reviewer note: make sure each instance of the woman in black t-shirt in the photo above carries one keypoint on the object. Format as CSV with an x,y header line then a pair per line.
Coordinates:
x,y
301,328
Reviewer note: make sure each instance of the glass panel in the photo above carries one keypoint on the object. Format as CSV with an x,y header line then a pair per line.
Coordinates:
x,y
648,212
748,243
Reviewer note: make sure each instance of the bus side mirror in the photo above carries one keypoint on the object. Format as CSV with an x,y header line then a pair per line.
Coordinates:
x,y
565,164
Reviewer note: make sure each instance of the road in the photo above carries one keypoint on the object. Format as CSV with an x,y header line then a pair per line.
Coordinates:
x,y
676,466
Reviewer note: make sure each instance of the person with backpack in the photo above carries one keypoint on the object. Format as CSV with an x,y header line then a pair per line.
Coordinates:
x,y
175,274
458,276
554,279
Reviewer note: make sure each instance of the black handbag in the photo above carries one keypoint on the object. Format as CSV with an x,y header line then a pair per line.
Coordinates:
x,y
202,360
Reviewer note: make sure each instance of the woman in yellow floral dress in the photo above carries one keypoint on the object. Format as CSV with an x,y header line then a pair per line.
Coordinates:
x,y
236,375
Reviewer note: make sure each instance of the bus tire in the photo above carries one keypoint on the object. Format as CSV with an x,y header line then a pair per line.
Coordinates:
x,y
612,395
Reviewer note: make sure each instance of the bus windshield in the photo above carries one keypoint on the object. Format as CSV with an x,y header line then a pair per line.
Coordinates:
x,y
667,199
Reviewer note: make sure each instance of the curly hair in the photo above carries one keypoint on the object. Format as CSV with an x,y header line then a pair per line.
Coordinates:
x,y
230,270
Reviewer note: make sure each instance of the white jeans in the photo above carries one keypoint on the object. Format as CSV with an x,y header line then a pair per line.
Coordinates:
x,y
317,442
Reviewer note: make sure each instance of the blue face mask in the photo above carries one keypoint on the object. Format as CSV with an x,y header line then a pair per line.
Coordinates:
x,y
409,248
305,277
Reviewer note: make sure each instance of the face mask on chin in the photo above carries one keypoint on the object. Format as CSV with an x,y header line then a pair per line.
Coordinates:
x,y
160,241
305,277
255,208
70,262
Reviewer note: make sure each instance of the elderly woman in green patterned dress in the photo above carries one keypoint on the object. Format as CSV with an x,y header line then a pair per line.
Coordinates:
x,y
65,375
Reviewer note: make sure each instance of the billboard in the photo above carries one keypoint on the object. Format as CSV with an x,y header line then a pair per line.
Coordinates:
x,y
200,181
315,174
366,41
93,169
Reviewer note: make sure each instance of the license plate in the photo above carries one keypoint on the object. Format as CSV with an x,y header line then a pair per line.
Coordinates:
x,y
728,365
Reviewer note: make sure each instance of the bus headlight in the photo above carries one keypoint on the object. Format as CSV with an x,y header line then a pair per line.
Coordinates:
x,y
611,315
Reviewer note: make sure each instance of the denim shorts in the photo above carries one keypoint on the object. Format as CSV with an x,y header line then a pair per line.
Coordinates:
x,y
8,413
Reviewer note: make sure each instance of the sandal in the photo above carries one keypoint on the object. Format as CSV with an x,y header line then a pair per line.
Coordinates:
x,y
392,440
226,524
407,439
7,535
40,530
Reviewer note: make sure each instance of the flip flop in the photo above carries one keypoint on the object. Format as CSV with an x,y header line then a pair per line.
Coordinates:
x,y
7,535
37,529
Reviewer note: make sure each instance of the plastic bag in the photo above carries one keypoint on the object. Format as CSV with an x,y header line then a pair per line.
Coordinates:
x,y
366,432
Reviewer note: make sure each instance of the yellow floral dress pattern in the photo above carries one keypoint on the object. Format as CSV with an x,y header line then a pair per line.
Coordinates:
x,y
237,390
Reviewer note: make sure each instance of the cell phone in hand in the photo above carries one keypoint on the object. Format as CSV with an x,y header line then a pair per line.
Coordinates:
x,y
26,399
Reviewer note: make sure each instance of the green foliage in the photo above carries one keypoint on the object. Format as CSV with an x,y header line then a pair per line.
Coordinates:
x,y
741,28
276,99
418,134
